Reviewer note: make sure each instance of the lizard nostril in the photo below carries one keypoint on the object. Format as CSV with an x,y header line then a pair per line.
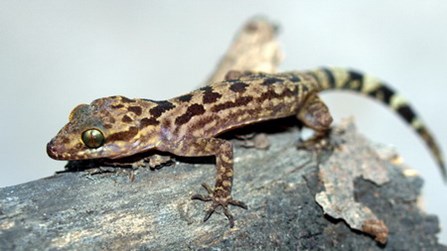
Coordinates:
x,y
51,150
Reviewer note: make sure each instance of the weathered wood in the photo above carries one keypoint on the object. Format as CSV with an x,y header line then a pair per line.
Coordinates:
x,y
153,210
123,209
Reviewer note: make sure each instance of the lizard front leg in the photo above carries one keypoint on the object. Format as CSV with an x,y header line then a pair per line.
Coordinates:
x,y
220,195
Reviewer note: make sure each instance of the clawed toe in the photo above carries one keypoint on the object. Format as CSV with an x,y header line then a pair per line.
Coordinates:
x,y
229,217
207,197
218,202
208,188
201,197
208,213
238,203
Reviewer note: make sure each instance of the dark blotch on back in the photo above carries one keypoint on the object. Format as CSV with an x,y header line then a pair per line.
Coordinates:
x,y
117,106
162,106
209,96
238,86
123,136
270,81
271,94
294,78
148,122
191,111
227,105
135,109
127,100
126,119
185,98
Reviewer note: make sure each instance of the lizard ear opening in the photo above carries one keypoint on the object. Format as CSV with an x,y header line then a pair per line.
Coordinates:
x,y
93,138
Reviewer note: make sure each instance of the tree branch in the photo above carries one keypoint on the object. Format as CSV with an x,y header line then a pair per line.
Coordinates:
x,y
151,209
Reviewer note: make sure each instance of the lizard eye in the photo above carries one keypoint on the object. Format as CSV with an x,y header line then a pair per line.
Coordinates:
x,y
93,138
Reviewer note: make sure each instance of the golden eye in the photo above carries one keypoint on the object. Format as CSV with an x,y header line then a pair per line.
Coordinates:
x,y
93,138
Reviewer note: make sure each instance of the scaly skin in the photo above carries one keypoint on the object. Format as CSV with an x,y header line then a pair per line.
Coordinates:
x,y
188,125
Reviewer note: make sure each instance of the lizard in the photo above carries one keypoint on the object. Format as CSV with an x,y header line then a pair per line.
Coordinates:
x,y
189,125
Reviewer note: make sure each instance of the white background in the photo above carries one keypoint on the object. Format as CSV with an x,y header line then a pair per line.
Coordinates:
x,y
57,54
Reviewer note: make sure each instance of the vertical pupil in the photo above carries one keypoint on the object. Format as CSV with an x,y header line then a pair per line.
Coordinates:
x,y
92,138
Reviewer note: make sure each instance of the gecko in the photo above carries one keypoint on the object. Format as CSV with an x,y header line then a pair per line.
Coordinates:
x,y
189,125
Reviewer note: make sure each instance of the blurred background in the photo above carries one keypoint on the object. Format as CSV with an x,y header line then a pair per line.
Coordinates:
x,y
57,54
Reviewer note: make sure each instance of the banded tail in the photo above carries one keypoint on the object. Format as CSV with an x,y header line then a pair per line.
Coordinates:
x,y
339,78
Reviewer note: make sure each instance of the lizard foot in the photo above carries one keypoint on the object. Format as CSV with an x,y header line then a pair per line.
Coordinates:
x,y
218,202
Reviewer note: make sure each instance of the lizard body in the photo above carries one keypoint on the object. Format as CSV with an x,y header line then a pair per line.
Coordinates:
x,y
116,127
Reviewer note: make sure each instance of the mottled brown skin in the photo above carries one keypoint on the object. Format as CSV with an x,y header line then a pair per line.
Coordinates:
x,y
188,125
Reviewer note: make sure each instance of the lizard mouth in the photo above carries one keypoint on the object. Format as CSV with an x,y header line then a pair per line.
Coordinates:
x,y
60,152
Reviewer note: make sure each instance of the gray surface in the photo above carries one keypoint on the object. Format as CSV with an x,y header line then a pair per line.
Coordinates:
x,y
110,211
57,54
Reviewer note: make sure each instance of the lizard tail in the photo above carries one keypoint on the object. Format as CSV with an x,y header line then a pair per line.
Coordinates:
x,y
339,78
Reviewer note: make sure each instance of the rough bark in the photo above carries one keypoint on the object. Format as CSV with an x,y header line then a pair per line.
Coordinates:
x,y
151,209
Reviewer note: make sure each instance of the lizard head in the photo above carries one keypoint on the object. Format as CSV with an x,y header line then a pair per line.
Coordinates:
x,y
107,128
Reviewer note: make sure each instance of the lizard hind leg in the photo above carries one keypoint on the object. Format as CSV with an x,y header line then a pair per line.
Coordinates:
x,y
315,115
